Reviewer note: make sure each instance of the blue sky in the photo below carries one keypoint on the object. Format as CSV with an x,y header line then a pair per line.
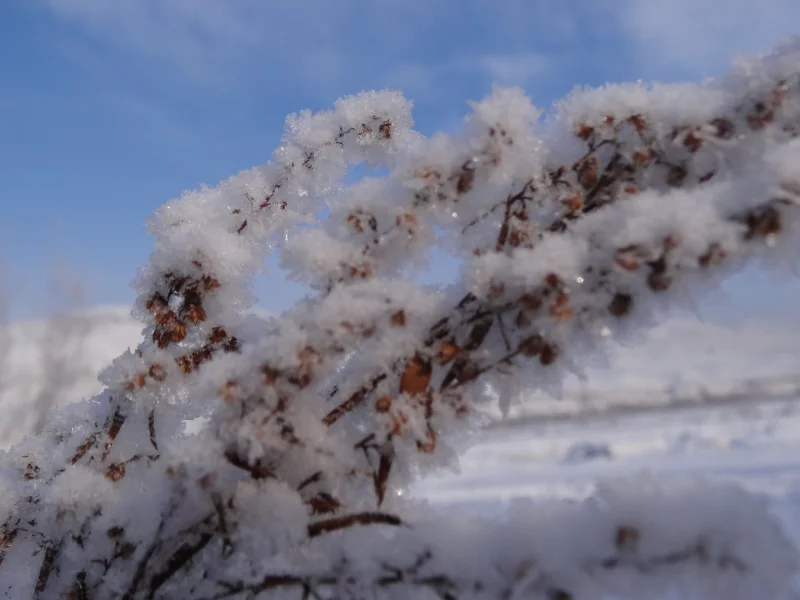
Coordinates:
x,y
109,108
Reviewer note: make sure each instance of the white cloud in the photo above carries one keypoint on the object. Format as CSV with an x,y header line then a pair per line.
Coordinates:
x,y
320,41
696,38
514,69
324,41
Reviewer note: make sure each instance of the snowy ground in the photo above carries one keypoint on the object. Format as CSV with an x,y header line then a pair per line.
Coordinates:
x,y
755,443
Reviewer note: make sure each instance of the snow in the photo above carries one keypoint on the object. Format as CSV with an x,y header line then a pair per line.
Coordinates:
x,y
755,443
732,416
578,243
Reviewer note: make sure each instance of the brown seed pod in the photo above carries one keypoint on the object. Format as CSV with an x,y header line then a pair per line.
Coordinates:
x,y
383,404
416,377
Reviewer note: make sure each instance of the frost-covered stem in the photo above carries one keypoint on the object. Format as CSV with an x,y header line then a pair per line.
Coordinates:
x,y
566,233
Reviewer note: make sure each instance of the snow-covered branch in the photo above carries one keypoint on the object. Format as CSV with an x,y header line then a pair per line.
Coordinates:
x,y
571,227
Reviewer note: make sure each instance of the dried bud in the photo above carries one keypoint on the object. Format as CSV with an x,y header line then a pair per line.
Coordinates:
x,y
465,180
639,122
560,309
210,283
532,345
270,374
587,173
115,472
628,258
762,222
195,313
530,303
157,372
355,223
552,280
217,335
416,376
676,176
584,131
642,158
723,128
692,141
383,404
713,256
496,290
574,203
447,352
429,445
518,237
631,189
620,305
548,355
229,392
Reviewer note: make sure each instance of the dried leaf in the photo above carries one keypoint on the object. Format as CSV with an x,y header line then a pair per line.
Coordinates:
x,y
383,404
416,376
584,131
587,173
399,319
447,352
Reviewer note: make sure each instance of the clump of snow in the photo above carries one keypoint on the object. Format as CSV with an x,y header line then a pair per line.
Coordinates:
x,y
569,233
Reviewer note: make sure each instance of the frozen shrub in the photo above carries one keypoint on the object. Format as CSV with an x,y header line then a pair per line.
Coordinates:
x,y
571,227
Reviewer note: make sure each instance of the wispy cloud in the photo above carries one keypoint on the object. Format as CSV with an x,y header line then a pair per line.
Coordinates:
x,y
695,38
514,69
321,41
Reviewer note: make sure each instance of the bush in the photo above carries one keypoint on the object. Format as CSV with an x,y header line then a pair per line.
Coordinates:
x,y
571,227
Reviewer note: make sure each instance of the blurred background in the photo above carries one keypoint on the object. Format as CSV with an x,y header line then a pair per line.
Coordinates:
x,y
109,109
